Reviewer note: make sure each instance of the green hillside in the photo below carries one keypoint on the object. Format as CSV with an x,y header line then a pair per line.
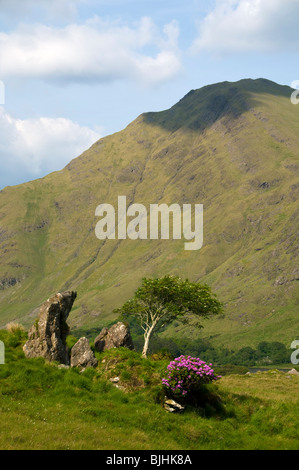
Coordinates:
x,y
232,147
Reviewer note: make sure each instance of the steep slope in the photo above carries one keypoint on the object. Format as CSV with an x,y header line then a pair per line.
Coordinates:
x,y
232,147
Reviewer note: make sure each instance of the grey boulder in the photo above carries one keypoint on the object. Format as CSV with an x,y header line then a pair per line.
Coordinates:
x,y
47,337
82,354
115,337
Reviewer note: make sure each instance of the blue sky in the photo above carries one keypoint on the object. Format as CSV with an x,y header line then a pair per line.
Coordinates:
x,y
75,71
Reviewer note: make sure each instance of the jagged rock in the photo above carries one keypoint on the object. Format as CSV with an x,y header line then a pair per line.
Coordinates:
x,y
172,406
47,337
82,355
115,337
293,372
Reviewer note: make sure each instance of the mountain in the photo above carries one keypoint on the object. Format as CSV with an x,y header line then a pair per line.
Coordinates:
x,y
232,147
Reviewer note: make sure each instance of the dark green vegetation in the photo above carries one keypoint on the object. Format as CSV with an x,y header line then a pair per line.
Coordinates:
x,y
232,147
265,354
158,302
44,407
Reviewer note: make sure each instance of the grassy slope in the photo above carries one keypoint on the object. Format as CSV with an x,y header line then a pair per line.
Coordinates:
x,y
233,142
43,407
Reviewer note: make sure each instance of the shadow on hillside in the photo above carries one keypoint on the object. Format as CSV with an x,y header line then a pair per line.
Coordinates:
x,y
200,109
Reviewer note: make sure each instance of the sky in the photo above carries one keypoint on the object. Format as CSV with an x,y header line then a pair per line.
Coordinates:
x,y
72,72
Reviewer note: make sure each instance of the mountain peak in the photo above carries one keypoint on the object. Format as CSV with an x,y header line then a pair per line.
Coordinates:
x,y
200,108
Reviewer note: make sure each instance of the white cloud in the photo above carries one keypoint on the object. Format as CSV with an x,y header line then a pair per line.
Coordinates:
x,y
54,9
249,25
96,50
34,147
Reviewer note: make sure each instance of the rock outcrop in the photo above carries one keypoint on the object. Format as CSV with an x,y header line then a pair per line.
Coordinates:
x,y
115,337
47,338
82,355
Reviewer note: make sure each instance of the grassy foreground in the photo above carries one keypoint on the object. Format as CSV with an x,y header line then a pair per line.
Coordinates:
x,y
46,407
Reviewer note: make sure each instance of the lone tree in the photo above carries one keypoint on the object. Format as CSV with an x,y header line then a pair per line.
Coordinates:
x,y
160,301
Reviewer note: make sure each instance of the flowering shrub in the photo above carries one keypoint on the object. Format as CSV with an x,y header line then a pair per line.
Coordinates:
x,y
186,376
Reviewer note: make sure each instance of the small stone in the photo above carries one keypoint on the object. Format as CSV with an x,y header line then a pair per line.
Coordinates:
x,y
172,406
82,355
114,380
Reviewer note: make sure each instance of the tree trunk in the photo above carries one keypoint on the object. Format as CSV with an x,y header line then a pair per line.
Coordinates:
x,y
147,336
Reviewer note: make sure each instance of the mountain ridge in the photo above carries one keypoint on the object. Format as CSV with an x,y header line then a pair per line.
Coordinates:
x,y
191,153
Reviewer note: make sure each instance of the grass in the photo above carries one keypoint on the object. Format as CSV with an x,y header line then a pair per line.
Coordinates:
x,y
45,407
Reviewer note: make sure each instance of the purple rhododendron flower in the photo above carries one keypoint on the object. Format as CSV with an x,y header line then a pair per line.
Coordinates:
x,y
185,374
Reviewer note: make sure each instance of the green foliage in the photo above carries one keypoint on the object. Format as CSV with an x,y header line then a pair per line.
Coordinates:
x,y
160,301
265,354
246,356
171,298
272,352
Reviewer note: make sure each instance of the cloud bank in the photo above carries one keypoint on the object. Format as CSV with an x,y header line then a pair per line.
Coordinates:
x,y
54,9
34,147
268,26
96,50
